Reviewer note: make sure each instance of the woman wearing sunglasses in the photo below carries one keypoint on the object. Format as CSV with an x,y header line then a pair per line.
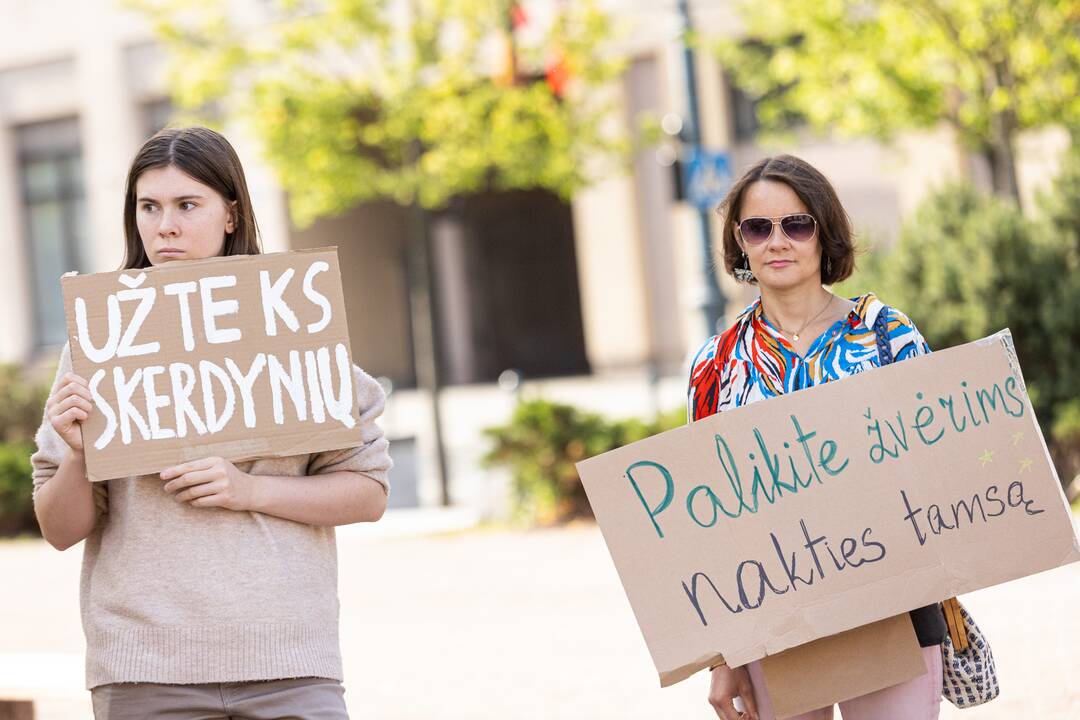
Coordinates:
x,y
785,231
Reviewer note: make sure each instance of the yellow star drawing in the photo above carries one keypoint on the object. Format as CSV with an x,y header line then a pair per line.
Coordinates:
x,y
987,457
1025,464
1017,436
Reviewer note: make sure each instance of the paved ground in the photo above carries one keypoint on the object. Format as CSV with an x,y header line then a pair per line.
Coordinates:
x,y
484,624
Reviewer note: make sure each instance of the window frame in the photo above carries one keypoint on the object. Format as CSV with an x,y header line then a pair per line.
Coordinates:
x,y
69,190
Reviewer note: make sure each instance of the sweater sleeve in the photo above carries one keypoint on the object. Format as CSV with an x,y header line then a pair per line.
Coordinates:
x,y
371,457
51,448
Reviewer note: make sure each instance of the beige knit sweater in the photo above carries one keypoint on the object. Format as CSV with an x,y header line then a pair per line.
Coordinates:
x,y
176,594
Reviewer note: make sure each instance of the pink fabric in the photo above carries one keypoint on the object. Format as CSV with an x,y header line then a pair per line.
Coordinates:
x,y
918,699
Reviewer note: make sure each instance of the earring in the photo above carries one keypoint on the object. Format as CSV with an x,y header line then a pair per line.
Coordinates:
x,y
828,265
744,273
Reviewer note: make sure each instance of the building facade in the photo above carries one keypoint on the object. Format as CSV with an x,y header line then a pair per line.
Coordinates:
x,y
596,301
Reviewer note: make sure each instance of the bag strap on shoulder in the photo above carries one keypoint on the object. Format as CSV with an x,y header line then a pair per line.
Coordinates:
x,y
881,331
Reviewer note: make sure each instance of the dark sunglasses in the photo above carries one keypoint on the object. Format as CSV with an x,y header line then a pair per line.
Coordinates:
x,y
798,227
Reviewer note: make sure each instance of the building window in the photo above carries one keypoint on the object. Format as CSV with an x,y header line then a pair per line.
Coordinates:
x,y
156,114
506,289
54,209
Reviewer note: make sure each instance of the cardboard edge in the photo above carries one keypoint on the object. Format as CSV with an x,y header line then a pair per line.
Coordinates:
x,y
677,675
1005,338
205,261
143,471
666,434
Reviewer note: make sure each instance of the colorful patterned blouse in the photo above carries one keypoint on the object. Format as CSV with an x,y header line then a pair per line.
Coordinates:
x,y
752,360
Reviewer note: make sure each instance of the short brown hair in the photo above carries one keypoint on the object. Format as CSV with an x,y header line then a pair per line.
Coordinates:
x,y
209,158
819,196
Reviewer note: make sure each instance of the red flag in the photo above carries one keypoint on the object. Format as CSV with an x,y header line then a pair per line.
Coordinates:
x,y
557,74
517,16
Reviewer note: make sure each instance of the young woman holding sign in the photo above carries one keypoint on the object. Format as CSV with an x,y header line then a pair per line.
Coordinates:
x,y
209,591
786,231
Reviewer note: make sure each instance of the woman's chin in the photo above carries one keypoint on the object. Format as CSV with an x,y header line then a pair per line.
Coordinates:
x,y
782,279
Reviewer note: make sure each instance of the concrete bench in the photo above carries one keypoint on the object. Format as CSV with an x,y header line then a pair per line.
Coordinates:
x,y
43,686
16,709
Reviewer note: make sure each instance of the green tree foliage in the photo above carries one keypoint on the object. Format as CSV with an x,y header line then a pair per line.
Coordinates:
x,y
413,101
967,265
989,68
1059,228
541,443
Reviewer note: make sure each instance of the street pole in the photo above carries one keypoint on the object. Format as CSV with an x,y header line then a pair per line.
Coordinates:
x,y
424,335
712,304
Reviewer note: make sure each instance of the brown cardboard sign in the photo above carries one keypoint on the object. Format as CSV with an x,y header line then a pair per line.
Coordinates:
x,y
846,665
241,357
777,523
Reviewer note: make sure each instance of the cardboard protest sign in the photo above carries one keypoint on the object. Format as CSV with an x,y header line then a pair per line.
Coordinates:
x,y
241,357
846,665
771,525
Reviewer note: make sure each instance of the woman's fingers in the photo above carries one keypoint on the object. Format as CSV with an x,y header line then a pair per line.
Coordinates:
x,y
197,491
208,501
727,684
66,408
725,709
66,425
746,693
69,388
723,688
195,477
73,401
179,470
69,417
77,388
751,704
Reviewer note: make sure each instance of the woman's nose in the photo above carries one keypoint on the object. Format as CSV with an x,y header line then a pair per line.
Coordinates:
x,y
777,240
168,224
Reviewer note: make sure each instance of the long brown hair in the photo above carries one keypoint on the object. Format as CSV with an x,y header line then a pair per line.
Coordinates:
x,y
819,196
209,158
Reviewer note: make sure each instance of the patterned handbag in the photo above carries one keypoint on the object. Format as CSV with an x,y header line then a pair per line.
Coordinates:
x,y
967,663
970,677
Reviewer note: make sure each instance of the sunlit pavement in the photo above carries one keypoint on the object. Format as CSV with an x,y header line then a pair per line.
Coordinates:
x,y
482,623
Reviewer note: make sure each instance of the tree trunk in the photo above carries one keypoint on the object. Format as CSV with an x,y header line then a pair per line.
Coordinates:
x,y
1001,157
1003,129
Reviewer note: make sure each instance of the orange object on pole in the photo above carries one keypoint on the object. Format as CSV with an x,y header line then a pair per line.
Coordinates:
x,y
557,74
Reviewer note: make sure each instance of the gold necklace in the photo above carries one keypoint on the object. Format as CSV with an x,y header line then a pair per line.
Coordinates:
x,y
795,335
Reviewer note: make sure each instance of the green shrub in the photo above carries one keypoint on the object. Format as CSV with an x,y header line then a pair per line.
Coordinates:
x,y
22,403
16,504
542,442
969,264
1059,314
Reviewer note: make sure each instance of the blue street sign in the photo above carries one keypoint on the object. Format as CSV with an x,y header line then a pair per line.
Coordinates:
x,y
707,177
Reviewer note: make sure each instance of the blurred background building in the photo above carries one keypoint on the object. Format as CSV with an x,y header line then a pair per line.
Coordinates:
x,y
597,300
